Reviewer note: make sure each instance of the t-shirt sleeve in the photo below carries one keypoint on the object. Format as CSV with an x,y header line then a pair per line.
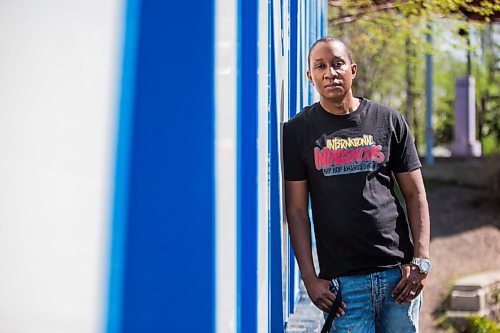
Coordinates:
x,y
293,165
403,157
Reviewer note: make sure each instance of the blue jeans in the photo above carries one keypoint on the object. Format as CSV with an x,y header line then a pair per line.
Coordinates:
x,y
371,308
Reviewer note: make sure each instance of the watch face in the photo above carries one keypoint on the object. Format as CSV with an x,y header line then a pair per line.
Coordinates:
x,y
425,266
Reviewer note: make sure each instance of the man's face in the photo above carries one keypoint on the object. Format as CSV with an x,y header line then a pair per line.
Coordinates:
x,y
330,71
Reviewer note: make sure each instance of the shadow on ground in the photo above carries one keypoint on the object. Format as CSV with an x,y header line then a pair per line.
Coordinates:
x,y
455,209
465,239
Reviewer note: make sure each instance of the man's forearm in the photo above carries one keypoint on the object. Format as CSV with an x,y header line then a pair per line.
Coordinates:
x,y
300,234
418,215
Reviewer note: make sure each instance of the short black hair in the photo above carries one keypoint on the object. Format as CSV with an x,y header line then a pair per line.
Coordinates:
x,y
328,39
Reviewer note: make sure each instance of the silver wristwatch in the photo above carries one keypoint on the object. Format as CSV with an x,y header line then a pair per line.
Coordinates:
x,y
424,265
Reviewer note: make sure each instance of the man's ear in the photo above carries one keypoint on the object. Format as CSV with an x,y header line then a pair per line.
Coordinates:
x,y
354,70
309,77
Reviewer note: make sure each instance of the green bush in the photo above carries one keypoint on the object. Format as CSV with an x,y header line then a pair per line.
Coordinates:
x,y
481,325
490,145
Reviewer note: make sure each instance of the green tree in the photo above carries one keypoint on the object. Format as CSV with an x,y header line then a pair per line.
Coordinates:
x,y
388,43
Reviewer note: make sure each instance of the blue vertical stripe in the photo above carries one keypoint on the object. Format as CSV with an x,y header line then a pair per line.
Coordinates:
x,y
309,40
247,165
293,64
169,209
301,54
122,161
323,15
275,242
292,88
282,17
429,136
324,21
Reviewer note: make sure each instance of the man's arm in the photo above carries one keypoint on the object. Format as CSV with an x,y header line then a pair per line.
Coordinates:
x,y
413,190
296,193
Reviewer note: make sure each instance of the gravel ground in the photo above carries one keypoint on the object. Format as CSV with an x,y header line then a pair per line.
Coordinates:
x,y
465,239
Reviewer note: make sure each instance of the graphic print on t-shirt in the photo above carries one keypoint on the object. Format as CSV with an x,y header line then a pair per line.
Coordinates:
x,y
339,156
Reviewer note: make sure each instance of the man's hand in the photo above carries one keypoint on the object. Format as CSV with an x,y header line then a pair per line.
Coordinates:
x,y
320,294
411,284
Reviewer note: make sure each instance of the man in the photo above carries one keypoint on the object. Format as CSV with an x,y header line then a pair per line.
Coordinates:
x,y
344,152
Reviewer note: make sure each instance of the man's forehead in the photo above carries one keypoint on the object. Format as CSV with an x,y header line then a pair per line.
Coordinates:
x,y
329,48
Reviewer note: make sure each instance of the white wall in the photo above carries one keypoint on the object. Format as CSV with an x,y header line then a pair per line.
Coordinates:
x,y
262,166
226,70
58,88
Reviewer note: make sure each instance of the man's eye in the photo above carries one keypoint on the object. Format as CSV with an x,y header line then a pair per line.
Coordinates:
x,y
338,64
320,66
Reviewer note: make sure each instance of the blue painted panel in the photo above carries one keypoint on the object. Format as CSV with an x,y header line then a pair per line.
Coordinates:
x,y
324,19
292,70
302,56
309,40
293,63
282,16
429,137
275,245
169,256
247,165
292,292
121,190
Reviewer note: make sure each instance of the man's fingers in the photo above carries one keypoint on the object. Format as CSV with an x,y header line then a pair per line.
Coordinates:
x,y
330,296
326,302
401,284
420,289
322,306
403,294
409,293
326,308
408,287
415,294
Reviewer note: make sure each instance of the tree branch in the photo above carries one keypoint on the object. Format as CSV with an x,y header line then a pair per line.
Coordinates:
x,y
365,11
474,10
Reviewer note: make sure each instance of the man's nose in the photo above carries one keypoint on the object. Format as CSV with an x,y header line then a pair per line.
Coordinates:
x,y
330,73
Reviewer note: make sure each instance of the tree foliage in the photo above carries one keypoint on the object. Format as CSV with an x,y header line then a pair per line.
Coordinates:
x,y
388,42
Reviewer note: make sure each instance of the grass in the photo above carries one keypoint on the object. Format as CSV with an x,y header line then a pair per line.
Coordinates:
x,y
431,184
478,324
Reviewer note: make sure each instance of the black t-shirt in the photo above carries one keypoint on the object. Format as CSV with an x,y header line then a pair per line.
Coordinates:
x,y
348,162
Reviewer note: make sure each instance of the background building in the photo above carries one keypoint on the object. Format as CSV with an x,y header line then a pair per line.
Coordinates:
x,y
140,174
